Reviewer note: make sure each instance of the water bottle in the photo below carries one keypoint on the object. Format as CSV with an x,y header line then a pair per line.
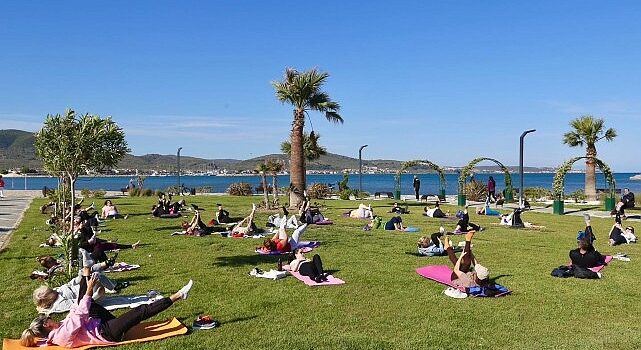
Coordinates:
x,y
280,264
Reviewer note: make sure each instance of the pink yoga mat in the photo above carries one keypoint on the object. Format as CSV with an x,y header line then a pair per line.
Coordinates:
x,y
608,258
331,280
438,273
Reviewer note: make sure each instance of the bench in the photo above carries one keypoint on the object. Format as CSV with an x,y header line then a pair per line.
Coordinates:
x,y
607,190
388,194
433,198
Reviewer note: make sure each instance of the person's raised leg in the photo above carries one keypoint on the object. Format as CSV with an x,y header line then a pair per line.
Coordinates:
x,y
318,265
296,235
116,328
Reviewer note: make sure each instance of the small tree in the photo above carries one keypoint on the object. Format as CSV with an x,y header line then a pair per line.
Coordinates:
x,y
274,167
262,169
69,146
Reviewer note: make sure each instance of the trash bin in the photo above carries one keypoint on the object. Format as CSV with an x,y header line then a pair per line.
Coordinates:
x,y
441,195
192,192
462,200
509,196
558,207
44,191
610,202
397,195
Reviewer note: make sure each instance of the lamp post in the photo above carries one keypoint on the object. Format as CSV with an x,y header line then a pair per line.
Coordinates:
x,y
178,164
360,169
521,166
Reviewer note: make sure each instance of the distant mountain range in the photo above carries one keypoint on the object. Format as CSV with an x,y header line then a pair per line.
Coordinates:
x,y
17,151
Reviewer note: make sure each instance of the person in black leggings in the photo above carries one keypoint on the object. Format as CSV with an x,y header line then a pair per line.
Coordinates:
x,y
464,224
312,269
89,323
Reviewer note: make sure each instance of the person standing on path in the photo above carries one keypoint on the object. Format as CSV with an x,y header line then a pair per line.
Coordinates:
x,y
1,187
417,186
491,189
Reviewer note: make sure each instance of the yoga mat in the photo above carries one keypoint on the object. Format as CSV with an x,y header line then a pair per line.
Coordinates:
x,y
143,332
443,274
608,258
331,280
412,229
324,222
122,266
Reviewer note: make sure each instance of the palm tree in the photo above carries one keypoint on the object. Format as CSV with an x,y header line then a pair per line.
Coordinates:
x,y
274,167
303,92
262,169
312,149
587,131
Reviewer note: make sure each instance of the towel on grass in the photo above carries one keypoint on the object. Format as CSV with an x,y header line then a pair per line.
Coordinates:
x,y
443,274
331,280
122,266
143,332
272,274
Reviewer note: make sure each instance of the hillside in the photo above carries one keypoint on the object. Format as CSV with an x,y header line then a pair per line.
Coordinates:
x,y
16,149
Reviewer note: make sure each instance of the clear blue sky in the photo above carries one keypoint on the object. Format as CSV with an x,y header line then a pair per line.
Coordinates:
x,y
445,81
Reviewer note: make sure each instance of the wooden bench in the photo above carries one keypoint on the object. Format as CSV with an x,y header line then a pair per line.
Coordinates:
x,y
607,190
388,194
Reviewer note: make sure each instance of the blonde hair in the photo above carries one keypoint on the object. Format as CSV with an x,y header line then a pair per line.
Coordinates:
x,y
36,330
44,297
424,242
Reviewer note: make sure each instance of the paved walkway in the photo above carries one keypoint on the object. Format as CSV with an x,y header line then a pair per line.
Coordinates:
x,y
12,208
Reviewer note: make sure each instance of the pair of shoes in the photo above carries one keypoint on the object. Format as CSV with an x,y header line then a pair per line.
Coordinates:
x,y
121,285
256,271
184,291
455,293
205,322
599,274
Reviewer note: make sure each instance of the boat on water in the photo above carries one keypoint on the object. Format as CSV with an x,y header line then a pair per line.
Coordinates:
x,y
636,177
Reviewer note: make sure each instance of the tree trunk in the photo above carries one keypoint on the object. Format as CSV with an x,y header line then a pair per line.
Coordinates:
x,y
297,161
590,174
70,235
263,179
275,188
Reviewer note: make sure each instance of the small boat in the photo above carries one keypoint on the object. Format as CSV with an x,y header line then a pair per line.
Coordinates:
x,y
636,177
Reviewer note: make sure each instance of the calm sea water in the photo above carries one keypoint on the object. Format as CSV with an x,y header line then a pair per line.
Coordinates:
x,y
371,183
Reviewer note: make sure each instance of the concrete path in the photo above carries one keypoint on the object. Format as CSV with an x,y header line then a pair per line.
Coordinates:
x,y
12,208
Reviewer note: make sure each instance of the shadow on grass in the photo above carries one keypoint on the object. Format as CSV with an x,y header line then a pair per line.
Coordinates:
x,y
246,260
494,279
164,228
580,210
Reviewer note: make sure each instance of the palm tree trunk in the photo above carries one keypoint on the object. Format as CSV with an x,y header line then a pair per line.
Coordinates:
x,y
590,173
274,188
263,179
297,161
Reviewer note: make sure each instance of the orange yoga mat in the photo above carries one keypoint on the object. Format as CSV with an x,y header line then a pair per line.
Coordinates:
x,y
143,332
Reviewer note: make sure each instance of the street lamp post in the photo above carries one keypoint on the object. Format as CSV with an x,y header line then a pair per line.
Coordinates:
x,y
360,169
521,166
178,167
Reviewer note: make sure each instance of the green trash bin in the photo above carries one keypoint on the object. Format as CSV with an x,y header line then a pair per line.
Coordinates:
x,y
462,200
610,202
558,207
441,194
397,195
509,196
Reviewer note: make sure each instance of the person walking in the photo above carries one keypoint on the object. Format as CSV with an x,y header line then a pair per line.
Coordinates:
x,y
1,187
417,186
491,189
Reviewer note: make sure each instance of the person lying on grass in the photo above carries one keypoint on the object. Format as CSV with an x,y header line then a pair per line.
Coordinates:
x,y
274,221
310,268
397,209
109,211
433,246
435,212
222,216
62,299
486,210
395,224
464,224
363,212
462,274
280,242
618,235
309,214
89,323
196,227
247,225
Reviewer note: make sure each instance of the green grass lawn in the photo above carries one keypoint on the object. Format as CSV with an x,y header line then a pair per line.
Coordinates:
x,y
383,305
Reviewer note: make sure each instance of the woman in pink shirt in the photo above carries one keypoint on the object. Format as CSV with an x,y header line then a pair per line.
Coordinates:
x,y
89,323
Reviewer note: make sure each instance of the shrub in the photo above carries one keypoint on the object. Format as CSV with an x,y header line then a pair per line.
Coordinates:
x,y
578,195
240,189
87,193
537,192
134,192
205,189
318,191
147,192
476,191
345,194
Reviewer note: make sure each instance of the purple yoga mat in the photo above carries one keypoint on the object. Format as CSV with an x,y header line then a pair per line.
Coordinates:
x,y
331,280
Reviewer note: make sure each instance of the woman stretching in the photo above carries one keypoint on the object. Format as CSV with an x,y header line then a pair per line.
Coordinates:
x,y
109,211
312,269
363,212
89,323
280,242
247,225
464,224
462,274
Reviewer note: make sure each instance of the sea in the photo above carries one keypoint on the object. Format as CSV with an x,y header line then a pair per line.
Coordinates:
x,y
370,182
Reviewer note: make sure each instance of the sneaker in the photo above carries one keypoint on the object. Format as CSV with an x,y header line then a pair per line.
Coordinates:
x,y
92,206
253,272
599,274
455,293
111,261
126,216
184,291
205,322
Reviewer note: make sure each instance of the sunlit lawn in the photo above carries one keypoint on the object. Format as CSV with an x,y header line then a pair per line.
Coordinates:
x,y
384,305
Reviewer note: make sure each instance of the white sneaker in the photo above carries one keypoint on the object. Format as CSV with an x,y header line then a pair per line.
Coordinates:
x,y
455,293
184,291
599,274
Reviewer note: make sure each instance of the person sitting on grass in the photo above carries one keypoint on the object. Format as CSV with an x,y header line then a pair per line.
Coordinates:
x,y
310,268
627,199
585,256
486,210
433,246
435,212
109,211
618,235
462,274
97,247
396,209
222,216
395,224
280,242
363,212
464,224
91,324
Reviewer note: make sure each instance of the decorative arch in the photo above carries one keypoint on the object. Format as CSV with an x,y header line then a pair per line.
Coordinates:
x,y
467,171
558,185
413,163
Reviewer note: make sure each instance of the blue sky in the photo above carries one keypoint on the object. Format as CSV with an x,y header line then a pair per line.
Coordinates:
x,y
444,81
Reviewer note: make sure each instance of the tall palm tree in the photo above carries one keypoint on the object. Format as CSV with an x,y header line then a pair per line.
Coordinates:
x,y
587,131
312,149
262,169
274,167
303,92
